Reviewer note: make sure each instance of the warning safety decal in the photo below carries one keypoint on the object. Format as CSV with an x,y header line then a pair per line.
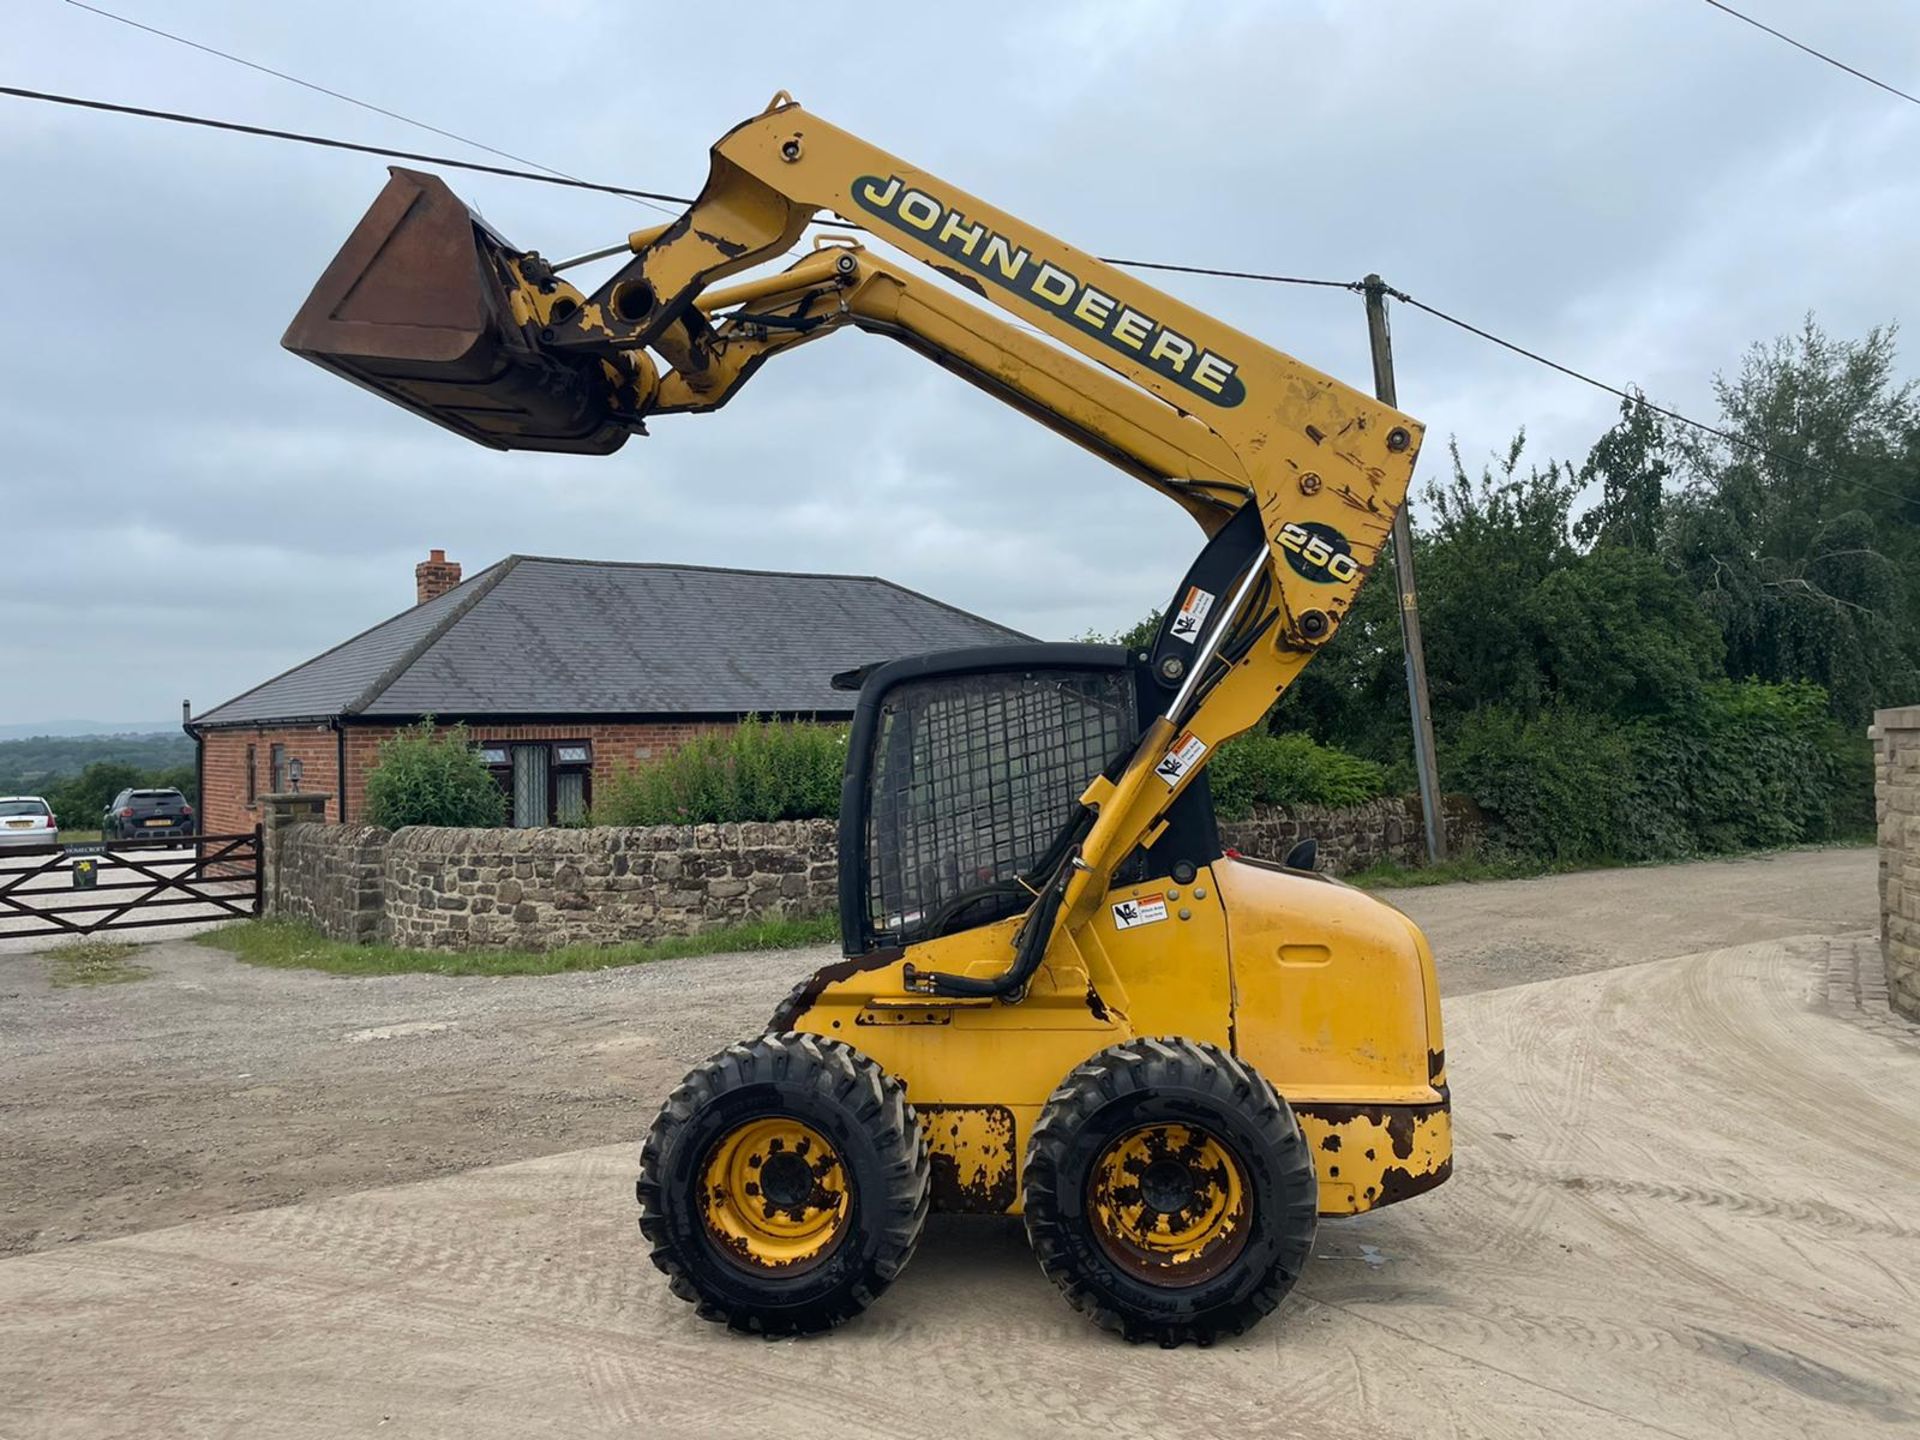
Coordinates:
x,y
1191,615
1142,910
1184,755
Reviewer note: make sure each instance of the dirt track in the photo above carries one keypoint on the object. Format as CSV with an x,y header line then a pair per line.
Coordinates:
x,y
215,1087
1687,1203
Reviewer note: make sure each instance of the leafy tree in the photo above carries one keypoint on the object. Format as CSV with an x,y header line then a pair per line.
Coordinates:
x,y
1619,633
1632,464
1354,693
78,803
1636,682
1137,636
178,777
425,778
1493,542
1800,533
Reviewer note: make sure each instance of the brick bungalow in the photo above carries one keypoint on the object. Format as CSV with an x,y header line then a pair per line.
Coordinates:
x,y
565,671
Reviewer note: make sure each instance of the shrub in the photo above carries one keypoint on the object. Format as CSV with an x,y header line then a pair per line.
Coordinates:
x,y
1753,765
1259,769
424,778
756,771
1743,766
1549,784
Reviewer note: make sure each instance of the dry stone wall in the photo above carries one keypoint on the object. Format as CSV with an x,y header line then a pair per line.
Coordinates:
x,y
1896,793
434,889
333,877
1354,837
540,889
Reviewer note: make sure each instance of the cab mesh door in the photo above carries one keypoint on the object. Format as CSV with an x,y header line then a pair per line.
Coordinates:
x,y
974,779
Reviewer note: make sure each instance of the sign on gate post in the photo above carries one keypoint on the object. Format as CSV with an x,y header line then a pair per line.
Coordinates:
x,y
86,865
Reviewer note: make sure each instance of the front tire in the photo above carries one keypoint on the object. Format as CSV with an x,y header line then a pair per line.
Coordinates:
x,y
784,1185
1169,1192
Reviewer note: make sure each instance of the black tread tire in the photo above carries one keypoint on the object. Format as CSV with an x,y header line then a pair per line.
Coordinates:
x,y
857,1106
1183,1081
789,1008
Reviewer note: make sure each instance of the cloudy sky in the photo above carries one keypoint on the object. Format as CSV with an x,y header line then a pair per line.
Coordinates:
x,y
1641,188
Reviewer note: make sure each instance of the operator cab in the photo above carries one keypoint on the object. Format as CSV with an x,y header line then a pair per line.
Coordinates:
x,y
963,783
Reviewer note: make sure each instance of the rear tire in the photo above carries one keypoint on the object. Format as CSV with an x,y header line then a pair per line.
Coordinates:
x,y
1169,1192
784,1185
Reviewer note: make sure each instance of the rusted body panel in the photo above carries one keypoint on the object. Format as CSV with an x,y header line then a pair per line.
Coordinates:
x,y
975,1157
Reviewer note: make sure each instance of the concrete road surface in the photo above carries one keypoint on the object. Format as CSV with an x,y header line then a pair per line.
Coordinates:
x,y
1687,1203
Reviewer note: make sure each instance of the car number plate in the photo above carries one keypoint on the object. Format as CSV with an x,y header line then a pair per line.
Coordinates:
x,y
19,824
158,822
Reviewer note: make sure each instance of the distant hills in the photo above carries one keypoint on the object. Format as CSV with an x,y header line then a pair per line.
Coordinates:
x,y
31,765
57,729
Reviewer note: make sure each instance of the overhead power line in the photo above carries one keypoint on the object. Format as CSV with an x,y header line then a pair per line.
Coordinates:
x,y
1738,442
328,142
555,178
550,170
1816,54
1230,274
550,178
316,88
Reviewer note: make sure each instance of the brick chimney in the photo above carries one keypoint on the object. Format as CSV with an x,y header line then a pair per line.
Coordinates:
x,y
434,576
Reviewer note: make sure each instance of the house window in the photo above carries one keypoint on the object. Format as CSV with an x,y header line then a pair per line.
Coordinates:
x,y
532,778
545,783
277,765
253,784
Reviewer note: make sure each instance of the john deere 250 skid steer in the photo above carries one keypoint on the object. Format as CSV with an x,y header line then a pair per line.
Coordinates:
x,y
1059,998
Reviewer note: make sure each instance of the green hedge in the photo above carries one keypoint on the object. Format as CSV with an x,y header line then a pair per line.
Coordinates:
x,y
1744,766
756,771
1260,769
762,771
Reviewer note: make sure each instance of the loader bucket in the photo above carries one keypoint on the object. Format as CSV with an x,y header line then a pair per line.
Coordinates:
x,y
415,308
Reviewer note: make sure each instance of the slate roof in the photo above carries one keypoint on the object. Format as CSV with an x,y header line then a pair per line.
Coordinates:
x,y
534,635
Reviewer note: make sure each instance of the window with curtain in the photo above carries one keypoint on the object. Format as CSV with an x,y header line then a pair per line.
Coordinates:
x,y
545,784
532,771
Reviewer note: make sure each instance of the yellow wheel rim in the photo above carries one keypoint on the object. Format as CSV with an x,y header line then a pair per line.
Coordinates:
x,y
773,1194
1169,1204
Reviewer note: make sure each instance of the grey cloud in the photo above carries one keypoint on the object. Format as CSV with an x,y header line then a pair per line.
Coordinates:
x,y
1642,188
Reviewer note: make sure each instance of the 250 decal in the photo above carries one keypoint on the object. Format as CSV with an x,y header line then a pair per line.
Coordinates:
x,y
1319,553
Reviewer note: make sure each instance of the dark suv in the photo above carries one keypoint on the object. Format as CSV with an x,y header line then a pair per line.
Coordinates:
x,y
136,813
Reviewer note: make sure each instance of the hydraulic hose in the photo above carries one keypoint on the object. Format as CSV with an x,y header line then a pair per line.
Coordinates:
x,y
1031,947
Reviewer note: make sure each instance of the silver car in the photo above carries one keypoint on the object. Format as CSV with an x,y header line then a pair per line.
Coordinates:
x,y
27,820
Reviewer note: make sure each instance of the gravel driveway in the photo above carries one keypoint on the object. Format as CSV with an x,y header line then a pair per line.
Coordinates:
x,y
213,1086
1686,1204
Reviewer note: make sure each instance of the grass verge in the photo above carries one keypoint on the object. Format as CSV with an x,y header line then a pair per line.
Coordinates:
x,y
288,945
94,962
1392,875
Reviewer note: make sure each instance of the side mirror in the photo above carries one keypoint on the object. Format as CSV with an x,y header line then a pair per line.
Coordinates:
x,y
1303,855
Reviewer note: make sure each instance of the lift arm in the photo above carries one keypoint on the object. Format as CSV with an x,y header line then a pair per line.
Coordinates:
x,y
427,306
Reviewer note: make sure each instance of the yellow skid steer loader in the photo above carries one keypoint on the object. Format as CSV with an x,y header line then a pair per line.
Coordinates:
x,y
1059,997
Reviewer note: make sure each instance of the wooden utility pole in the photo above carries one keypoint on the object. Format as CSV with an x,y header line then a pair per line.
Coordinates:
x,y
1409,607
